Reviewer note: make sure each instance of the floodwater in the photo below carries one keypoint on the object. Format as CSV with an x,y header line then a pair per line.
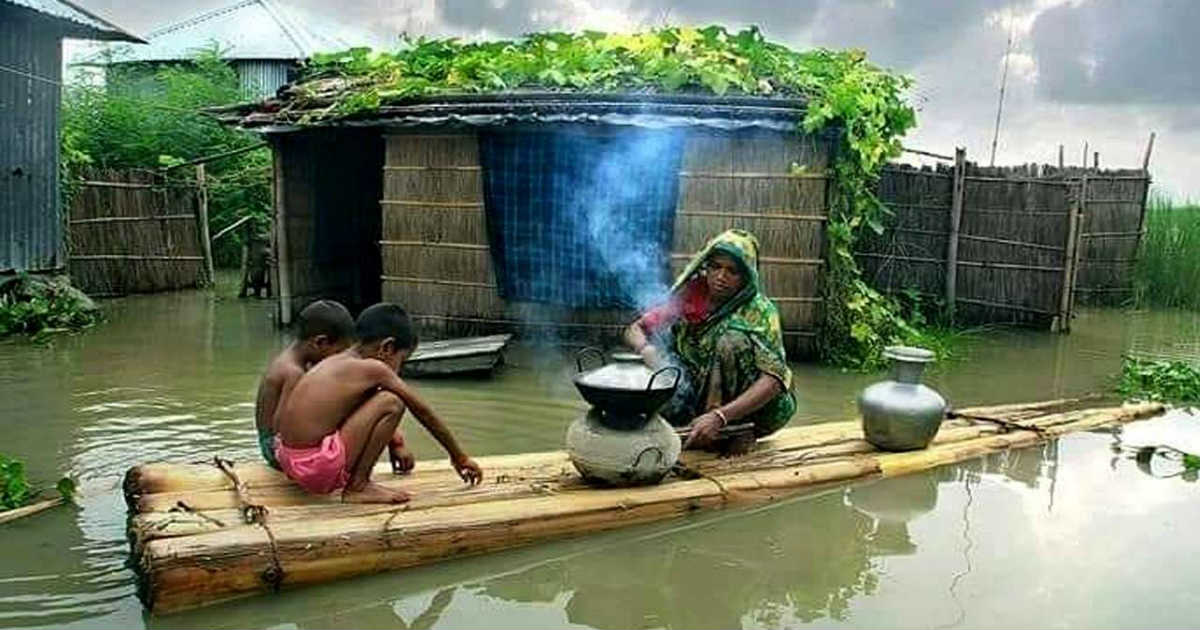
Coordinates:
x,y
1069,534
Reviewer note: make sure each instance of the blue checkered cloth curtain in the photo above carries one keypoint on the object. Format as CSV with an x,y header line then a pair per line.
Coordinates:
x,y
581,219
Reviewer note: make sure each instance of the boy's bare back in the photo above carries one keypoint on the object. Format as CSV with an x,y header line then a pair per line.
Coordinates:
x,y
326,395
281,377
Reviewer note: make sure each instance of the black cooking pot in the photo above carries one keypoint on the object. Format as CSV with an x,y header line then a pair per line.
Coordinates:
x,y
626,387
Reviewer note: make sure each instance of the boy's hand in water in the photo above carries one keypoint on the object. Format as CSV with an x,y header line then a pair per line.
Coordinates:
x,y
467,469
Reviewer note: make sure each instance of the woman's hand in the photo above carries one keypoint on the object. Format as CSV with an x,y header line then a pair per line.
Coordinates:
x,y
705,429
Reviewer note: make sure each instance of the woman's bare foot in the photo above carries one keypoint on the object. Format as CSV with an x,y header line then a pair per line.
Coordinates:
x,y
374,493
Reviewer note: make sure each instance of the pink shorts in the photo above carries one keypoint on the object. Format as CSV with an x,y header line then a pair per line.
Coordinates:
x,y
318,469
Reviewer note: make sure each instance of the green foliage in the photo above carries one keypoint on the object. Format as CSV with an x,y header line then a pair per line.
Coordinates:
x,y
149,117
40,307
67,488
864,104
14,487
1168,381
15,490
1167,273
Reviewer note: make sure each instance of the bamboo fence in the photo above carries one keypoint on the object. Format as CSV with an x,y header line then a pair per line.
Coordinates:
x,y
1008,244
200,534
134,231
437,262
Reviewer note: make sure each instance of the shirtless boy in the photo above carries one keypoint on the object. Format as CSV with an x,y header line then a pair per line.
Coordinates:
x,y
344,412
323,328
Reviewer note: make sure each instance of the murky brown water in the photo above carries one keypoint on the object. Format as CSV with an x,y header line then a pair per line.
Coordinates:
x,y
1062,535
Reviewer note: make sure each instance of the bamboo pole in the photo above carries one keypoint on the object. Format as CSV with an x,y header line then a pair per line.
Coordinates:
x,y
296,547
1063,321
956,210
29,510
1081,219
282,255
163,217
202,223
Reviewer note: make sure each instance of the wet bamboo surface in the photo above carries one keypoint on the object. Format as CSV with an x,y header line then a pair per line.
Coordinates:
x,y
192,544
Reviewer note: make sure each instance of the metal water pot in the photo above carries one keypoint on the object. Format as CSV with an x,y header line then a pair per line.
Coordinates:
x,y
902,414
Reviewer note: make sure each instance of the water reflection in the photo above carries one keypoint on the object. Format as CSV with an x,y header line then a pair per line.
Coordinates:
x,y
799,562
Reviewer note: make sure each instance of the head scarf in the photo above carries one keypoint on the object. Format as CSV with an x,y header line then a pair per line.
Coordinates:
x,y
748,311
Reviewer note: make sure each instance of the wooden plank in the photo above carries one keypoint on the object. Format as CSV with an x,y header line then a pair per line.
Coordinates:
x,y
1137,234
436,244
749,175
133,257
467,205
766,260
164,217
753,215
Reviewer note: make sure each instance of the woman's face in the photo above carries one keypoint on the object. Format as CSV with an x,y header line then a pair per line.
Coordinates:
x,y
724,276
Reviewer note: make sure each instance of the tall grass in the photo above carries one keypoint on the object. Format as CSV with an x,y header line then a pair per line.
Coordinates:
x,y
1168,269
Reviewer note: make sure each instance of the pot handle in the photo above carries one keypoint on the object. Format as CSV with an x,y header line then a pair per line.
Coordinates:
x,y
678,375
589,350
638,460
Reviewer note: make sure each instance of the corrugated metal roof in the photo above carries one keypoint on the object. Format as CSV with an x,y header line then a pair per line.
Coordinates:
x,y
250,29
84,24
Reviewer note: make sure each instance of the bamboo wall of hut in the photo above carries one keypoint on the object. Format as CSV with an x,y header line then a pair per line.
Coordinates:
x,y
435,249
132,232
1030,242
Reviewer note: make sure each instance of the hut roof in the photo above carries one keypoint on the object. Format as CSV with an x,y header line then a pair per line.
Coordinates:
x,y
690,76
649,110
248,29
77,21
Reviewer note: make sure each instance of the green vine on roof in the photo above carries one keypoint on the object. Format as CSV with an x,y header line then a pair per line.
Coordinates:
x,y
865,104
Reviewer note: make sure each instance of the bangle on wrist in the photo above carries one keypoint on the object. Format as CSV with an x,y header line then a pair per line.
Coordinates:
x,y
722,416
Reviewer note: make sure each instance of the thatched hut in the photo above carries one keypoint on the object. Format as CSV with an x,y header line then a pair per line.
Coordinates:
x,y
545,213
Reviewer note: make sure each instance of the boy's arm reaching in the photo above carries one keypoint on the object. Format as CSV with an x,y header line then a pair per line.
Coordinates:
x,y
466,467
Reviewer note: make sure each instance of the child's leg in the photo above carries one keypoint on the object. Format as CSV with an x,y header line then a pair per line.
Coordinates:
x,y
365,434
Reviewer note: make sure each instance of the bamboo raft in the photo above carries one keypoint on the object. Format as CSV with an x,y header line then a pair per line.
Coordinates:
x,y
204,533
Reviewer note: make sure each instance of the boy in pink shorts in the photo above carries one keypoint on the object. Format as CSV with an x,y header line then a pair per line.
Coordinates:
x,y
345,410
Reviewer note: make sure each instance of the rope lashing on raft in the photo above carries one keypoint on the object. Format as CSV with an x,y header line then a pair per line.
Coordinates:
x,y
254,513
1005,425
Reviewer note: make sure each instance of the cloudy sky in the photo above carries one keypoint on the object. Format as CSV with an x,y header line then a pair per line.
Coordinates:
x,y
1105,72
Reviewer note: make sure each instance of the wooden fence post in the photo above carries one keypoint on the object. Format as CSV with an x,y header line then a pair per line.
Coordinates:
x,y
1082,209
282,256
202,224
1062,323
956,208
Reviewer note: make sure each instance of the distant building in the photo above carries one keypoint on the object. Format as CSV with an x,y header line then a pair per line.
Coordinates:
x,y
263,41
31,34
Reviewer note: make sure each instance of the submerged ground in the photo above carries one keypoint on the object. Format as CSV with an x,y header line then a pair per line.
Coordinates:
x,y
1068,535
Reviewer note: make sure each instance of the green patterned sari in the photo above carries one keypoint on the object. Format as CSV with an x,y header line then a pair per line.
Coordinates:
x,y
727,349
